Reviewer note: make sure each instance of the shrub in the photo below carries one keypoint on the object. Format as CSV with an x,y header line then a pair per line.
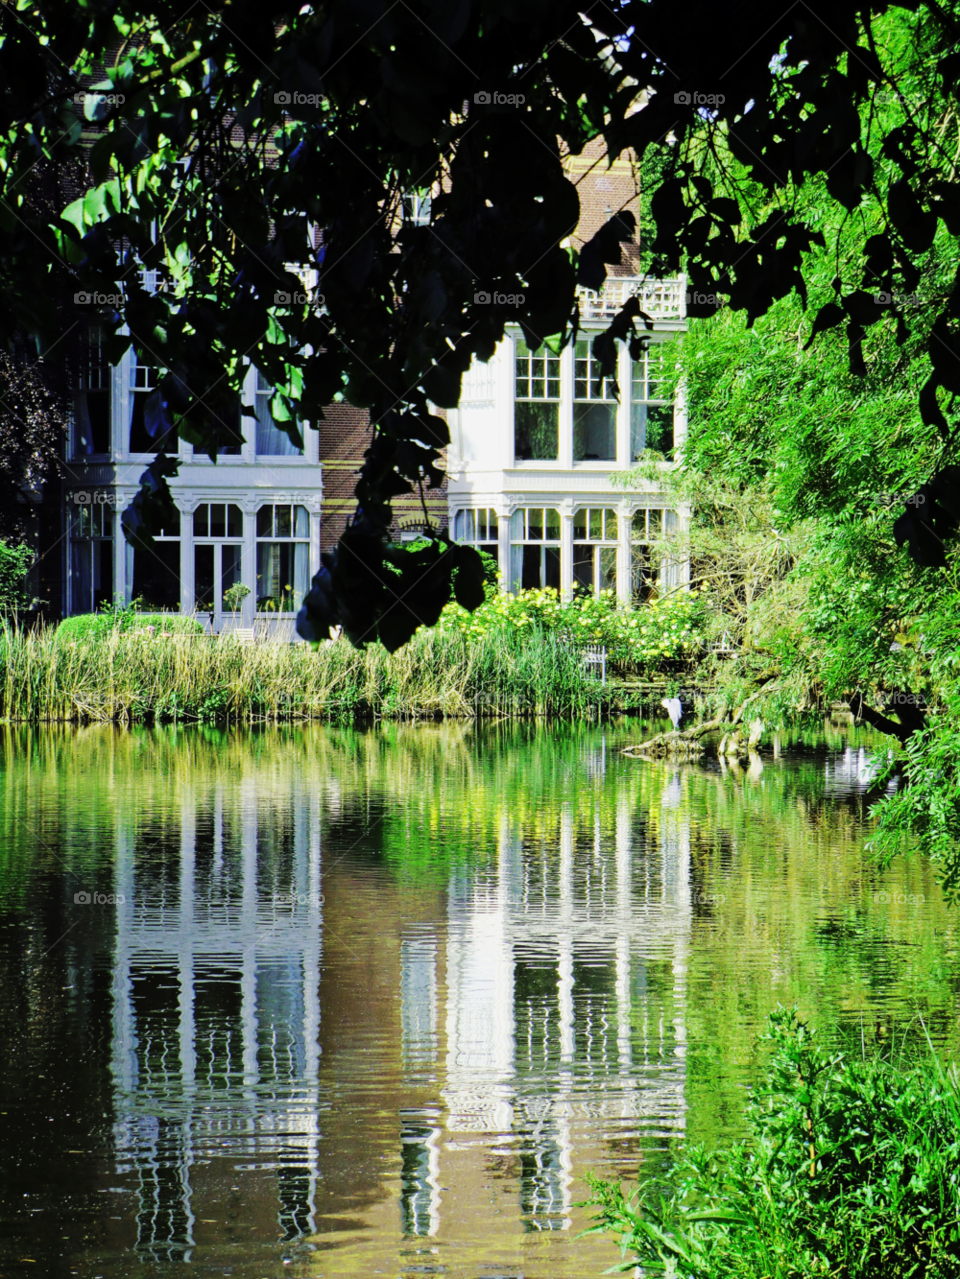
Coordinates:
x,y
89,625
850,1169
664,632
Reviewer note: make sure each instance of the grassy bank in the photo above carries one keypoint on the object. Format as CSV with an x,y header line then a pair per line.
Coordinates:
x,y
850,1169
137,675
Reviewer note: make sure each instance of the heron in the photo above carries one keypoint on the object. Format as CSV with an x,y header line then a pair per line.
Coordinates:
x,y
674,708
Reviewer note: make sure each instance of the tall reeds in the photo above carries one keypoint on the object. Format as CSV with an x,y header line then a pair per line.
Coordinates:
x,y
133,675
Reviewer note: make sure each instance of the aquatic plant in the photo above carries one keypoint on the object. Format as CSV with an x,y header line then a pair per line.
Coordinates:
x,y
850,1169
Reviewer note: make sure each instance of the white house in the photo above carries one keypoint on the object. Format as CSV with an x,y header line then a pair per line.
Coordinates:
x,y
537,438
253,517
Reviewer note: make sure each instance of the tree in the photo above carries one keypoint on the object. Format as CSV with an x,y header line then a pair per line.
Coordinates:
x,y
237,147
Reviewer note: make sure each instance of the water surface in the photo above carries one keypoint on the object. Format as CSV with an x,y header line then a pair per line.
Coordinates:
x,y
319,1002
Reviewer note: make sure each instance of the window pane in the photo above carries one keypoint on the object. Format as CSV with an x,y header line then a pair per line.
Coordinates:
x,y
201,521
271,441
493,526
530,579
92,422
282,569
230,555
172,527
639,526
583,566
81,575
638,430
234,521
470,519
156,575
553,524
492,549
660,427
641,573
596,525
536,431
671,523
580,521
102,574
517,526
535,524
610,525
458,525
608,568
301,521
218,519
203,576
265,521
551,567
282,517
595,432
655,523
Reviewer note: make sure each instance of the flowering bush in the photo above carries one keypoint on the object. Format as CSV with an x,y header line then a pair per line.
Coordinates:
x,y
663,631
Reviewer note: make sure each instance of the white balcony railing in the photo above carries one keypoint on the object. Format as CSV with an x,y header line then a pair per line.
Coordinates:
x,y
660,299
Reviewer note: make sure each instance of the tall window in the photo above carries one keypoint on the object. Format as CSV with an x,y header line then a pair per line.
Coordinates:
x,y
144,406
536,422
271,440
91,406
535,548
595,549
283,558
594,409
651,413
156,569
91,556
217,551
648,563
480,529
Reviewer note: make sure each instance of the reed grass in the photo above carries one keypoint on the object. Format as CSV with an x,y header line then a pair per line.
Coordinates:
x,y
134,676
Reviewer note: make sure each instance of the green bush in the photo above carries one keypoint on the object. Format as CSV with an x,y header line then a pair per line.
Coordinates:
x,y
851,1169
89,625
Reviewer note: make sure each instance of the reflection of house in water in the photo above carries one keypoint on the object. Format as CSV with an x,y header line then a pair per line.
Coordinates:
x,y
557,1016
216,1008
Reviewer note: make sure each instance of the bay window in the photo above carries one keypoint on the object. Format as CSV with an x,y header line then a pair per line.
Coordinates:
x,y
217,552
479,528
91,405
536,423
283,558
594,408
535,548
651,412
91,555
595,544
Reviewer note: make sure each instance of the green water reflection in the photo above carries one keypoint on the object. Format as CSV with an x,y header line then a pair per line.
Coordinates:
x,y
334,1002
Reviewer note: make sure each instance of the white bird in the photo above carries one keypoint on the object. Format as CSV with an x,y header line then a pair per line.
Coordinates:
x,y
674,708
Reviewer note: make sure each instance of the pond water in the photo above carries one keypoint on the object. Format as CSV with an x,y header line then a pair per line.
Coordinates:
x,y
313,1002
